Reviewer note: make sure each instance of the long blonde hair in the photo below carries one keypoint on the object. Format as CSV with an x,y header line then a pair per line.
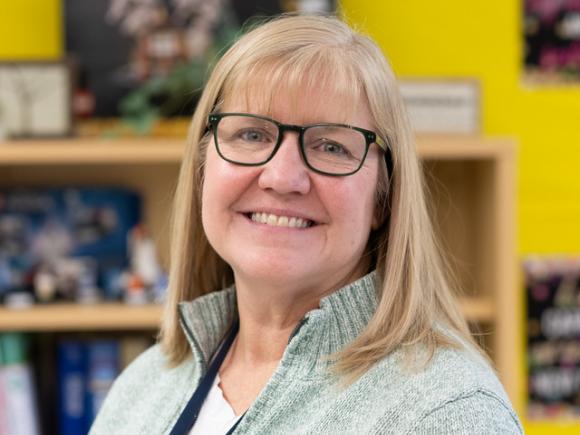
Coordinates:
x,y
415,297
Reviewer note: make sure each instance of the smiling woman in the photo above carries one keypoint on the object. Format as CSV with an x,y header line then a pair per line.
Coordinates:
x,y
306,291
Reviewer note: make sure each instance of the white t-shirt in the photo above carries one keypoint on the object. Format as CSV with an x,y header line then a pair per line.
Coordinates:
x,y
216,416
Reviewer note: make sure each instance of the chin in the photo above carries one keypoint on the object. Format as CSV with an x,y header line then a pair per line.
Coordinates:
x,y
273,273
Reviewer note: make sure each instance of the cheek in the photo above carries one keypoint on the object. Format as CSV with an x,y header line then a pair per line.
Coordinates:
x,y
219,180
223,185
352,210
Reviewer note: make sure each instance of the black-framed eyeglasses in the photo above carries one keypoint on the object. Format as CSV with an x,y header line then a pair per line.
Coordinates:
x,y
329,149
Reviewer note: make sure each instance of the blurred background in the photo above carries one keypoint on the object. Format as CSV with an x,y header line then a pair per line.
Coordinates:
x,y
94,105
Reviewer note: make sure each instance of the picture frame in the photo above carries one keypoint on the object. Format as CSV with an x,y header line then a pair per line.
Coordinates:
x,y
35,99
551,42
148,61
552,286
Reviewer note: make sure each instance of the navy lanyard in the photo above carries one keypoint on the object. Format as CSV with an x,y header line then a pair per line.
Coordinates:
x,y
189,415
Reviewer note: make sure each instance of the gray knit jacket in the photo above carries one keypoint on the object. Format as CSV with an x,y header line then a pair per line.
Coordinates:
x,y
457,393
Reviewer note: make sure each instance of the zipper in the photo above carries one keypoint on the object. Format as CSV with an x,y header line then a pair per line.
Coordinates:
x,y
297,329
191,337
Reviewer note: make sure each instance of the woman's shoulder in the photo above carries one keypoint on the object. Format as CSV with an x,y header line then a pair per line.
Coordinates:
x,y
457,386
450,372
148,386
142,371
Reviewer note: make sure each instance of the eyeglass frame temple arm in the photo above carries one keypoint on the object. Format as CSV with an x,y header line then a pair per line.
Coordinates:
x,y
385,146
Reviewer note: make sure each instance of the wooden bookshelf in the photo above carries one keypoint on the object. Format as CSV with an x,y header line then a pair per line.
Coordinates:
x,y
471,181
91,152
76,317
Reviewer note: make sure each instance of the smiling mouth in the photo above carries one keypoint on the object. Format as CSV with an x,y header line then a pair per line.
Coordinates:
x,y
280,221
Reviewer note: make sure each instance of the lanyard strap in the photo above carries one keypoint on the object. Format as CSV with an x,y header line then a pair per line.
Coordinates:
x,y
189,415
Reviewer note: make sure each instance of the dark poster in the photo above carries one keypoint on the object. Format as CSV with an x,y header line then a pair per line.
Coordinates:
x,y
553,341
552,41
145,59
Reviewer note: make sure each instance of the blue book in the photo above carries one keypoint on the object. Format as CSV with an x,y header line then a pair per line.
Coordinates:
x,y
72,413
103,361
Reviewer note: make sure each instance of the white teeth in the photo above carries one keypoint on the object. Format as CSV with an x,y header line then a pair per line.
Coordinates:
x,y
272,220
279,221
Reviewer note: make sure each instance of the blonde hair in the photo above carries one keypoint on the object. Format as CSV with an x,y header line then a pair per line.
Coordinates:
x,y
415,298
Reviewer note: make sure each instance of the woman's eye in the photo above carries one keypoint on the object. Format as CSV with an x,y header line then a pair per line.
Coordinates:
x,y
253,136
334,148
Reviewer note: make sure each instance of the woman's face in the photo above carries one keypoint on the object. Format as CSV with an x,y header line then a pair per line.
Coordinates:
x,y
338,211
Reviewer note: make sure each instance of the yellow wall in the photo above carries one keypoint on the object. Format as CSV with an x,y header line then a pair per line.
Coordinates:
x,y
481,39
30,29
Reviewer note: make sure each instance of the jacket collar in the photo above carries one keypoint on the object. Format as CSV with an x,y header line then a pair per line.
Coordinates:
x,y
340,318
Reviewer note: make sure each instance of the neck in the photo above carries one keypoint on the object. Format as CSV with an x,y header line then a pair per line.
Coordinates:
x,y
266,325
269,314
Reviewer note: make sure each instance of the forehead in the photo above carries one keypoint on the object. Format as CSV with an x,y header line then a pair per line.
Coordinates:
x,y
299,97
295,106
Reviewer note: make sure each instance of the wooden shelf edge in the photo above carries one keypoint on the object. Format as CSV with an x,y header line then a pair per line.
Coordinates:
x,y
478,310
74,317
92,151
462,146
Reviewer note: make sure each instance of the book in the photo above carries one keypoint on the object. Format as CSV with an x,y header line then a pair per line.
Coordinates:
x,y
86,372
18,412
72,413
102,369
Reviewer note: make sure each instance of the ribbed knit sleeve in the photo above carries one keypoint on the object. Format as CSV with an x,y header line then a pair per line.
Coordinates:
x,y
478,413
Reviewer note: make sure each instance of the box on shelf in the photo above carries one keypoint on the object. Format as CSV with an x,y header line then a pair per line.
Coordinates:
x,y
72,244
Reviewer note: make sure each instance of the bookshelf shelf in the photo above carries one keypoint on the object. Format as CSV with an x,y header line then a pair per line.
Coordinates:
x,y
461,147
478,310
75,317
471,183
91,151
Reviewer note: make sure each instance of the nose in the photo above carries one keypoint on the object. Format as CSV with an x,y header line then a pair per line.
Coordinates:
x,y
286,172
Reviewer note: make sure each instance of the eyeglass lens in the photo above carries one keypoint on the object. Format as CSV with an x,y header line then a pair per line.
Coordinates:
x,y
327,148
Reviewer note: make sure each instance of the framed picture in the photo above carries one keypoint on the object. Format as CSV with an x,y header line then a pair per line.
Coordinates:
x,y
553,337
148,60
442,105
551,41
35,99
